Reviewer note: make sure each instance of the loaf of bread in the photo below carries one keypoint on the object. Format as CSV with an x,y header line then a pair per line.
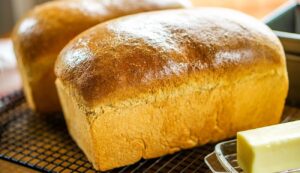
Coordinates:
x,y
40,36
152,84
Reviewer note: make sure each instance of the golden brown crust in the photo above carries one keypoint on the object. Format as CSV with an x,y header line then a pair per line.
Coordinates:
x,y
203,109
141,53
40,36
50,26
152,84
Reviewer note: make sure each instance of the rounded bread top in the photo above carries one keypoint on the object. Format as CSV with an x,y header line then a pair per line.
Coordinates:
x,y
50,26
146,52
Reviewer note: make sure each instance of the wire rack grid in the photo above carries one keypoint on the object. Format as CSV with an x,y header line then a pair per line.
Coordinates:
x,y
43,144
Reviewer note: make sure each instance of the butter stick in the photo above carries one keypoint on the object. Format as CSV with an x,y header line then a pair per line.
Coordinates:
x,y
269,149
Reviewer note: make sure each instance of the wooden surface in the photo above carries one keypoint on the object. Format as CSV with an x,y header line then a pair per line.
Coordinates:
x,y
8,167
9,74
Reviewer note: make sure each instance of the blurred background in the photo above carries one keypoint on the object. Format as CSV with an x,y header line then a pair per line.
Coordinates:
x,y
12,10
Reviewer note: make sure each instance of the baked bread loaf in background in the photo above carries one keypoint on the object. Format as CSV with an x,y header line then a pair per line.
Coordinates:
x,y
151,84
40,36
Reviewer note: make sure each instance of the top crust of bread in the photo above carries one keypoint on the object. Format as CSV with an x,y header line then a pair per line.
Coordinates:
x,y
145,52
45,30
48,27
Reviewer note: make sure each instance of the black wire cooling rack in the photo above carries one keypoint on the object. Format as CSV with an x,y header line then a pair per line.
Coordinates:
x,y
43,144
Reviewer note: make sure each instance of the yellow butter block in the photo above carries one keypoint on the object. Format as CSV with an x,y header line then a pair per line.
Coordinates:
x,y
269,149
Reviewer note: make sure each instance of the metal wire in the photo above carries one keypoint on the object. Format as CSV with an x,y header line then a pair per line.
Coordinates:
x,y
43,144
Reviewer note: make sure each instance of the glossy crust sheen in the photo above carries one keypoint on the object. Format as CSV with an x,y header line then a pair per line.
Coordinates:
x,y
152,84
141,53
41,34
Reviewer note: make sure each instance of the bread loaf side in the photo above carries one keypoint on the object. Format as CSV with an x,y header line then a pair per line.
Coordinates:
x,y
152,84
